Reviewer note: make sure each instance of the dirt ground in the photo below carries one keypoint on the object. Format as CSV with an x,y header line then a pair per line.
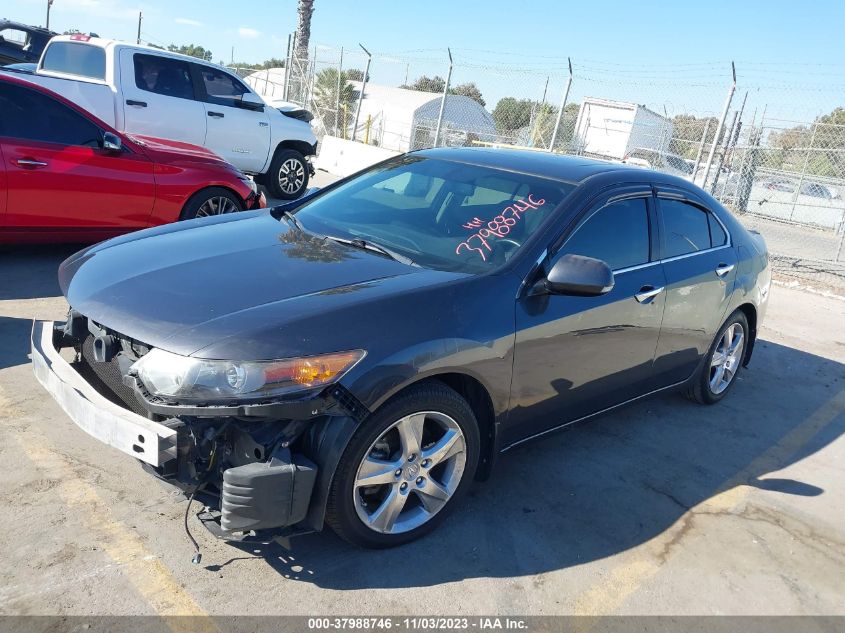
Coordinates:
x,y
665,507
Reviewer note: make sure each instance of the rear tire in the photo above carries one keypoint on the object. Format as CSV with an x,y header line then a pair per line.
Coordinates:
x,y
723,361
211,201
288,175
435,469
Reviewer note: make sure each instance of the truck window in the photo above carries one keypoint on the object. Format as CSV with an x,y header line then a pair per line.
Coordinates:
x,y
164,76
75,58
221,88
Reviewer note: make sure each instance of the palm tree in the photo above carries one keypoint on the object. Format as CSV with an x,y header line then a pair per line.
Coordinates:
x,y
329,108
299,67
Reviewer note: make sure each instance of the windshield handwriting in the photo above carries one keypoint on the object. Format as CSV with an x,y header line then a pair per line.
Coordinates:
x,y
498,227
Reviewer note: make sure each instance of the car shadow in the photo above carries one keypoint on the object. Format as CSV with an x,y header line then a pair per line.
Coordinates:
x,y
14,341
30,271
603,486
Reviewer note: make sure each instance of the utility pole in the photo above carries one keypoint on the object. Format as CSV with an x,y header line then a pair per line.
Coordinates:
x,y
562,106
719,127
49,4
140,17
363,87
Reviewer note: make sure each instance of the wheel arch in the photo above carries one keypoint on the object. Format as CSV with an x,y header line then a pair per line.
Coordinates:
x,y
750,312
303,147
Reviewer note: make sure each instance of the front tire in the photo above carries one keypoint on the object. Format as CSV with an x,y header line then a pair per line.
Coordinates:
x,y
211,201
722,363
288,175
405,468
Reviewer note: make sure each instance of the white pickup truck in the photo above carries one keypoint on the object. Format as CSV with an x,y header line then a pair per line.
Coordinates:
x,y
149,91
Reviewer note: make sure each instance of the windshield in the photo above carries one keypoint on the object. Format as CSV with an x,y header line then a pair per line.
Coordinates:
x,y
439,214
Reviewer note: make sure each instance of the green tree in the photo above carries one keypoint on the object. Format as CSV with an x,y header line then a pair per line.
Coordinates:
x,y
512,114
469,90
191,49
686,133
273,62
356,74
326,98
427,84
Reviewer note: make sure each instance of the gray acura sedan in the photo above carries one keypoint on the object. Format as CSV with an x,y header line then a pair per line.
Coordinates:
x,y
359,356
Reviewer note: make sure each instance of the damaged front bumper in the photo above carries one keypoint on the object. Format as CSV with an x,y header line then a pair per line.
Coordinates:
x,y
252,464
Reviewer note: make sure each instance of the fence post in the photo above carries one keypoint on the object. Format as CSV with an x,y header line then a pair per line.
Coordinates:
x,y
443,101
337,98
803,170
363,87
725,147
719,127
288,69
562,106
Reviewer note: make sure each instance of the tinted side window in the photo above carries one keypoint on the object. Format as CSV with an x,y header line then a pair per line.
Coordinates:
x,y
686,226
221,87
164,76
718,237
33,116
617,234
76,58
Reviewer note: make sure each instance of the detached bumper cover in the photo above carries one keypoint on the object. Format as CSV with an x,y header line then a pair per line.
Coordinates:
x,y
124,430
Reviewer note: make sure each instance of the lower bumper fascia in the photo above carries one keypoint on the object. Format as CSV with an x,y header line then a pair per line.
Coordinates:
x,y
144,439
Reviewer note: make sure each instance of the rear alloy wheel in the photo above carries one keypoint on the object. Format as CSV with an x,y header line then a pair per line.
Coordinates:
x,y
211,201
404,468
723,361
288,175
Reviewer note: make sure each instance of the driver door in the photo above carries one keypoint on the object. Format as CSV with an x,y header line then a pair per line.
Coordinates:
x,y
575,356
58,178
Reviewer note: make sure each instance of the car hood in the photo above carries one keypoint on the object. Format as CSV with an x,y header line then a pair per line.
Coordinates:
x,y
162,150
185,286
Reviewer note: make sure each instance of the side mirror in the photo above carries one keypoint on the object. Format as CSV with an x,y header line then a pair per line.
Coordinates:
x,y
580,276
251,101
112,143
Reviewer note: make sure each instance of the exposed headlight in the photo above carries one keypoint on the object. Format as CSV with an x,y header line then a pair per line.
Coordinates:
x,y
187,379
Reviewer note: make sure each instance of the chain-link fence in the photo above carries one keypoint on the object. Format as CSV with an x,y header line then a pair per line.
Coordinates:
x,y
771,151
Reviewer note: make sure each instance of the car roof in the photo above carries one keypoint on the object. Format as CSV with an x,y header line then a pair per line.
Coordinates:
x,y
573,169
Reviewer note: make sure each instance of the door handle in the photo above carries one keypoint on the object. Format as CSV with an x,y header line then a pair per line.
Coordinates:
x,y
647,292
140,104
724,269
30,163
216,115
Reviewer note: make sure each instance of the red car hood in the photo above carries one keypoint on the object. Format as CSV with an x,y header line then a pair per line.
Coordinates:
x,y
163,150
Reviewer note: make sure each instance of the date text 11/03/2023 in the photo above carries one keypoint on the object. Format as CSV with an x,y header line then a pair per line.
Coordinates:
x,y
499,226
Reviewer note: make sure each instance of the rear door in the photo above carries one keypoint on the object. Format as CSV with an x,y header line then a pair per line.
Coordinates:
x,y
699,263
159,98
58,178
236,131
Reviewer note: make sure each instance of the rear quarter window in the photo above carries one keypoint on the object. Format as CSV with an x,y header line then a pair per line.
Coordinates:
x,y
75,58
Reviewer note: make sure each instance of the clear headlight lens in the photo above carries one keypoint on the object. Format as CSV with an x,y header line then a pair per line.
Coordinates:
x,y
187,379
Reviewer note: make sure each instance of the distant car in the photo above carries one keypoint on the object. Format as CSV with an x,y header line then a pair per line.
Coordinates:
x,y
818,190
660,161
26,67
67,176
22,42
779,184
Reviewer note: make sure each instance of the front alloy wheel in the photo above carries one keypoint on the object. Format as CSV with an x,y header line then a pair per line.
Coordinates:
x,y
291,176
410,472
405,467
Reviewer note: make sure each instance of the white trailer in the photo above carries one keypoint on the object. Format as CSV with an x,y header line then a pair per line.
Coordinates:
x,y
612,129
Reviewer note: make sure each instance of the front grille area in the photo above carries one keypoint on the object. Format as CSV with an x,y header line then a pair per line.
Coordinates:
x,y
107,379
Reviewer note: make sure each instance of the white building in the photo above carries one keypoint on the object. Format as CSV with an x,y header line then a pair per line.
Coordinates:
x,y
612,129
402,120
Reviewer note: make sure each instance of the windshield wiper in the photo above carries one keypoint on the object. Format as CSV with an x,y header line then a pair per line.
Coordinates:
x,y
291,218
371,246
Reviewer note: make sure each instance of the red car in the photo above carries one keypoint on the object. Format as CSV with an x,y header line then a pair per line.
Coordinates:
x,y
67,176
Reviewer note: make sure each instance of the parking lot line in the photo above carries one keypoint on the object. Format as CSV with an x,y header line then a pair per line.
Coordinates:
x,y
624,580
144,570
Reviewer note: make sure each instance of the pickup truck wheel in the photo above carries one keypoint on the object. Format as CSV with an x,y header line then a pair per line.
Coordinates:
x,y
211,201
405,468
288,175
